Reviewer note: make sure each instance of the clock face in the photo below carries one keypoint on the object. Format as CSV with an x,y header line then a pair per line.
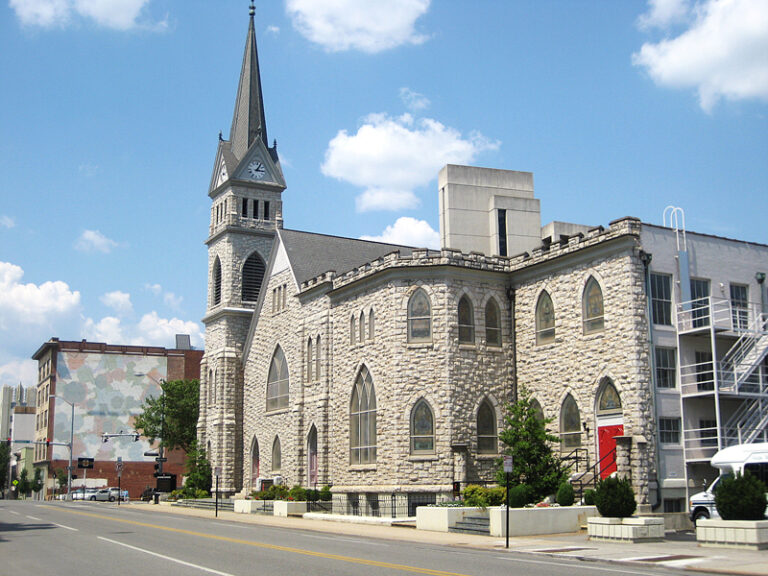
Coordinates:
x,y
256,170
223,172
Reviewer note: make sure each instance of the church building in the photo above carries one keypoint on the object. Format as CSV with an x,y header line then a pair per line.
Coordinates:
x,y
381,369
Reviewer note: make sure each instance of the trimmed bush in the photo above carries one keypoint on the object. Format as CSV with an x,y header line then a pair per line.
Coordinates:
x,y
274,492
565,496
325,494
313,495
741,498
615,498
298,493
520,495
589,497
496,495
475,495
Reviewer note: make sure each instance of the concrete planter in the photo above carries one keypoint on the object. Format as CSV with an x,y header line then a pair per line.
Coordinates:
x,y
286,508
531,521
251,506
751,534
626,529
440,519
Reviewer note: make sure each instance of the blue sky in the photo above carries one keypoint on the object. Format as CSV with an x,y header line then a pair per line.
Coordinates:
x,y
110,112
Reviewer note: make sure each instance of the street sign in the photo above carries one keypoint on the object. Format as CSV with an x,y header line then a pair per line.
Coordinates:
x,y
85,463
217,471
161,459
151,453
508,467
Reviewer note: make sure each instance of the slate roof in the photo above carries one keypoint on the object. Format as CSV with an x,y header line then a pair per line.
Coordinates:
x,y
313,254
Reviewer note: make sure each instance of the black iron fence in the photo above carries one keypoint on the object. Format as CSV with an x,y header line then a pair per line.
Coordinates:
x,y
397,505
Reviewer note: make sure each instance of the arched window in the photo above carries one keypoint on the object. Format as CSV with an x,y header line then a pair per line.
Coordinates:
x,y
253,276
592,305
422,429
487,440
309,360
608,401
371,324
317,359
361,326
570,424
419,317
277,455
216,292
352,330
492,323
466,321
537,409
255,462
545,319
312,466
211,388
277,382
362,420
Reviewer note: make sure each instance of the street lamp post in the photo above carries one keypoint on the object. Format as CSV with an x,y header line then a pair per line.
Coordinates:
x,y
71,440
161,449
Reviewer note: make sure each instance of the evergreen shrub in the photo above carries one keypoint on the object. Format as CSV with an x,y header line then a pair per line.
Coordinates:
x,y
565,495
325,494
615,498
298,493
741,498
589,497
520,495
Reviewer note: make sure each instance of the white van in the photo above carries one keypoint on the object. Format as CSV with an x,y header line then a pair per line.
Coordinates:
x,y
752,458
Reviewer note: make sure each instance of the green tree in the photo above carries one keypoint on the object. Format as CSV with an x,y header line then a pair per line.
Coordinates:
x,y
198,470
24,485
5,463
530,445
178,406
37,481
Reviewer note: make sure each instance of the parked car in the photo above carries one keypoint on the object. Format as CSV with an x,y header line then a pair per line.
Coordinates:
x,y
110,495
81,494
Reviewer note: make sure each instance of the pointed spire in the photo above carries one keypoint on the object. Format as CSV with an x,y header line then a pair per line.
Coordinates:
x,y
249,122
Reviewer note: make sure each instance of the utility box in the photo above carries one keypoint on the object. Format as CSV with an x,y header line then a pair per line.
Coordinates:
x,y
166,483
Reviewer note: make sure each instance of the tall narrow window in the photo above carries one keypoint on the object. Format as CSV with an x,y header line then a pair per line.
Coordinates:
x,y
466,321
253,276
362,420
371,324
309,360
492,323
545,319
317,359
502,232
277,382
740,306
700,302
705,371
256,209
669,430
422,429
266,210
216,295
312,464
244,211
592,304
352,330
666,367
361,327
570,424
277,455
419,317
487,439
661,299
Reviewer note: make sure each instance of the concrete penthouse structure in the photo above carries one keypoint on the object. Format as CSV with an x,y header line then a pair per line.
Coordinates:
x,y
383,369
107,384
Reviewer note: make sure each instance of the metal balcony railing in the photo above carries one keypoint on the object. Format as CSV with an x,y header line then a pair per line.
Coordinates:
x,y
721,313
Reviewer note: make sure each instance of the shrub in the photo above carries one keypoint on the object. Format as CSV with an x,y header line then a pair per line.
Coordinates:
x,y
741,498
298,493
313,495
475,495
520,495
615,498
589,497
325,494
496,495
565,496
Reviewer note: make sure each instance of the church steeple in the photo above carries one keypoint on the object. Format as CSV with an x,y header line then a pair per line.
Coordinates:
x,y
248,122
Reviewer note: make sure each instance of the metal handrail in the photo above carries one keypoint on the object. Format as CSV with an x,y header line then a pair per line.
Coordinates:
x,y
596,470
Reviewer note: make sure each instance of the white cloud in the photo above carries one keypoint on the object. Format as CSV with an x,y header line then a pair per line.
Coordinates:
x,y
273,30
410,232
115,14
390,157
17,370
151,330
7,221
24,304
119,301
723,54
413,100
664,13
94,241
172,300
109,329
366,25
156,289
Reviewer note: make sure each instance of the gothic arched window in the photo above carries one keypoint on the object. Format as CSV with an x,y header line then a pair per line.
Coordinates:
x,y
466,321
317,359
570,424
371,324
545,319
487,440
362,420
253,276
422,429
492,323
277,455
361,326
216,287
592,305
309,360
419,317
277,381
608,401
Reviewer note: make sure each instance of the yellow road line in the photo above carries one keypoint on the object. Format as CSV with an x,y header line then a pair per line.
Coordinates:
x,y
340,558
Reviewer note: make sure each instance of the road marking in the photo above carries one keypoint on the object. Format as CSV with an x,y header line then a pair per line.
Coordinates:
x,y
343,539
337,557
164,557
591,568
14,512
33,518
67,527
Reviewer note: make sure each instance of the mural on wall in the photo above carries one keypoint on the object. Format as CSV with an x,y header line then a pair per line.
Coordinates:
x,y
107,391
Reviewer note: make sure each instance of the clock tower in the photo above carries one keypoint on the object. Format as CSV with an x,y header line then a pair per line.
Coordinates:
x,y
246,208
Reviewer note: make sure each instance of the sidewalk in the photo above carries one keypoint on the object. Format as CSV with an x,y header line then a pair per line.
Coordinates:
x,y
679,551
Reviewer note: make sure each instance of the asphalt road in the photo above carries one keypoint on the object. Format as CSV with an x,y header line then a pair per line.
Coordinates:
x,y
94,538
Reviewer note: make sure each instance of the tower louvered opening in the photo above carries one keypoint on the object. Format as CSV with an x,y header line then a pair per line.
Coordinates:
x,y
217,282
253,276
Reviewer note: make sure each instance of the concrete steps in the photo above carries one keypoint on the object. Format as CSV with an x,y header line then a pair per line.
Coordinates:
x,y
206,504
473,525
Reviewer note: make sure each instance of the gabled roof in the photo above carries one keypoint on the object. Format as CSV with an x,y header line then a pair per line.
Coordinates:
x,y
313,254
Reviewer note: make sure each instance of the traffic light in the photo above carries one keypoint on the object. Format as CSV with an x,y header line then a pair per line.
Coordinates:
x,y
157,470
8,442
47,442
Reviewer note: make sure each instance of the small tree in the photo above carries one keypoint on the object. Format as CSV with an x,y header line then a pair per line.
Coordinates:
x,y
24,485
615,498
199,475
5,463
37,481
530,444
741,498
565,495
172,416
